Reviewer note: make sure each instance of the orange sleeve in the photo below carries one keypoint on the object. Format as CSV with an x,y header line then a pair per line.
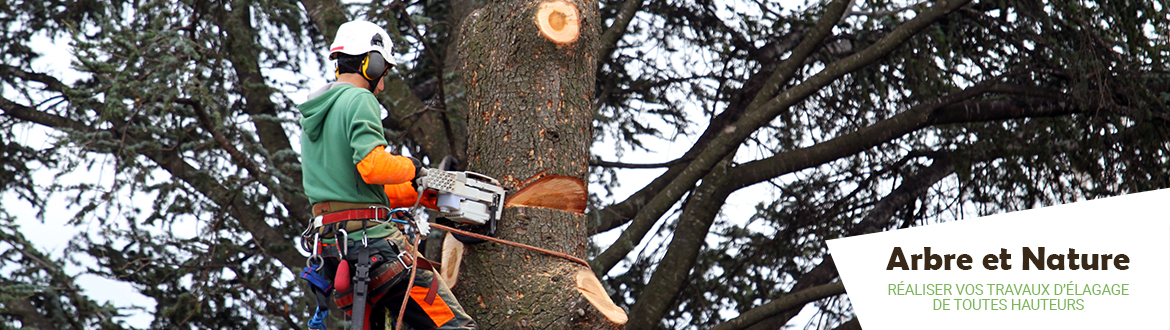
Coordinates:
x,y
404,195
381,167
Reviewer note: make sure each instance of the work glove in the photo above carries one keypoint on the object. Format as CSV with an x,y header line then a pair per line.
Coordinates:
x,y
420,171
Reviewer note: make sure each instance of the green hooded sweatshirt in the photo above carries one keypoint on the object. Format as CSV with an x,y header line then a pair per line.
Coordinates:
x,y
340,125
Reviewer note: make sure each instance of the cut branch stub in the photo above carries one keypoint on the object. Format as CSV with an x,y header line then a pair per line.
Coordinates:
x,y
452,257
590,287
558,21
553,191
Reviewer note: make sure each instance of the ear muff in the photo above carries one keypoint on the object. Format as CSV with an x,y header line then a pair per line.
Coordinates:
x,y
373,66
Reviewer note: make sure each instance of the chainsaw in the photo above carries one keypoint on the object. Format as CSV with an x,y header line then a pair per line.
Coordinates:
x,y
465,197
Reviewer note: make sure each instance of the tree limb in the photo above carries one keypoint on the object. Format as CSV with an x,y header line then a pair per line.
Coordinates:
x,y
970,112
268,238
252,217
614,33
849,325
811,41
682,254
618,214
945,110
51,83
16,110
222,141
326,16
247,162
885,12
245,59
822,274
789,301
661,194
602,163
28,314
878,218
753,118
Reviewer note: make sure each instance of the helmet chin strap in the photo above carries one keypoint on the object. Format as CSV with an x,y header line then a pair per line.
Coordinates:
x,y
373,85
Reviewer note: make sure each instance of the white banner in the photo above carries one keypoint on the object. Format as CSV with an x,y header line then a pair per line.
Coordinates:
x,y
1101,264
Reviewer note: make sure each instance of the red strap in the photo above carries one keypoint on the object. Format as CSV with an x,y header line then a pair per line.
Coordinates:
x,y
356,214
433,290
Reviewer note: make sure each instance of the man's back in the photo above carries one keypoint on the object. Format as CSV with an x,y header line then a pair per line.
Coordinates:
x,y
341,125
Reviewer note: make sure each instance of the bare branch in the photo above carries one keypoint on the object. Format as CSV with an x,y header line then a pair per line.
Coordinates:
x,y
16,110
790,301
877,13
51,83
822,274
602,163
222,141
884,131
812,40
850,325
614,33
911,188
683,251
753,118
252,217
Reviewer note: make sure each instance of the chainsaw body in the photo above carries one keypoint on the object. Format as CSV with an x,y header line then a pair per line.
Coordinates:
x,y
466,197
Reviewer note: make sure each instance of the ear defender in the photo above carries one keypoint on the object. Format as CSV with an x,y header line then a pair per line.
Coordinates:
x,y
373,66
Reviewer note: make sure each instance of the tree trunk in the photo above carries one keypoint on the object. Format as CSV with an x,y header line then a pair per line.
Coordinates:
x,y
529,117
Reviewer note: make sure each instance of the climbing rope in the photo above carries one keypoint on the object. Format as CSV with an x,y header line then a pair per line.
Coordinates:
x,y
511,243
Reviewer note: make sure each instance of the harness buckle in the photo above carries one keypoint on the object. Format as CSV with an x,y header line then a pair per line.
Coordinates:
x,y
402,260
382,207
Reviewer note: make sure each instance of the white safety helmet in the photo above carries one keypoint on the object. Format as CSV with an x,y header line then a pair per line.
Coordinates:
x,y
360,37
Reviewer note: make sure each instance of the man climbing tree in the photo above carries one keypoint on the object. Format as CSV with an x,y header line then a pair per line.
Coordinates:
x,y
351,179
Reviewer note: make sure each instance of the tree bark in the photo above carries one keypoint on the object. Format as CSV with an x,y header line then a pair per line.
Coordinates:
x,y
529,116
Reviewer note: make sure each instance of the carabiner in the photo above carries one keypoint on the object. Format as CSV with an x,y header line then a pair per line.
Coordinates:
x,y
309,226
343,243
316,244
365,240
316,253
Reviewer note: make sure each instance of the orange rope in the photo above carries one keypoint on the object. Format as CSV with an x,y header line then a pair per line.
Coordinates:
x,y
511,243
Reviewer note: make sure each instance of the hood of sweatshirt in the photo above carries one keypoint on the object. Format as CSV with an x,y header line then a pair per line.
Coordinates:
x,y
314,111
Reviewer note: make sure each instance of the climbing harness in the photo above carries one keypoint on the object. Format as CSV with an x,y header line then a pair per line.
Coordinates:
x,y
373,274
